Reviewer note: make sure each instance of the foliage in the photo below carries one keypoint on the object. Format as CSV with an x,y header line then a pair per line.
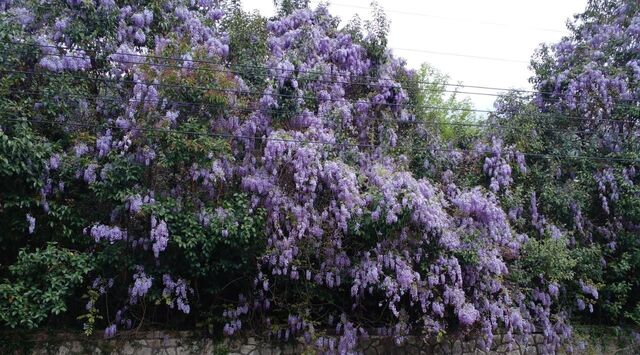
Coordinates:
x,y
289,177
437,104
41,284
548,259
587,86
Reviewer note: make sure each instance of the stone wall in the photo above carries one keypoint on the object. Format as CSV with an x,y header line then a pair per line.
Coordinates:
x,y
186,343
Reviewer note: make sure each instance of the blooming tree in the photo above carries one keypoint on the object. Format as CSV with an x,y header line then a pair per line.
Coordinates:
x,y
265,176
585,106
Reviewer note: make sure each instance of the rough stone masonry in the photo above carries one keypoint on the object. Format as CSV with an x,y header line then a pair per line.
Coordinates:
x,y
187,343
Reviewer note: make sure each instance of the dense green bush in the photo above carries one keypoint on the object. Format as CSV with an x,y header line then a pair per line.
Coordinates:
x,y
40,285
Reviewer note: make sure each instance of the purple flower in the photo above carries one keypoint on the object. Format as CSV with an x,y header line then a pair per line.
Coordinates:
x,y
468,314
22,15
172,117
516,319
139,36
215,14
54,162
138,19
71,61
110,331
103,144
31,221
126,57
159,235
142,284
111,234
134,203
90,174
553,289
107,4
176,292
148,17
80,149
588,289
522,165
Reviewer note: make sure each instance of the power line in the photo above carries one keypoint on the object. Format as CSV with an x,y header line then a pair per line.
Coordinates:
x,y
286,140
204,88
238,109
410,13
225,70
373,83
200,61
243,92
450,54
207,69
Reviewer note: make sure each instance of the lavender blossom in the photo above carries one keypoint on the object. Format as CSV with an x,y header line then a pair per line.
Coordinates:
x,y
31,221
159,235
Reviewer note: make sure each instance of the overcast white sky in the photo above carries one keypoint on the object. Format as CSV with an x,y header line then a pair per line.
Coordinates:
x,y
507,29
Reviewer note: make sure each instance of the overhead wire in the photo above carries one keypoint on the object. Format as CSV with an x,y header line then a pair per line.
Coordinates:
x,y
250,110
461,55
271,75
343,144
207,69
184,60
412,13
201,61
291,96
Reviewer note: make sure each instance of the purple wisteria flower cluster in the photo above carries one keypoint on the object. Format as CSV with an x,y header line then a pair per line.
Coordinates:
x,y
344,215
587,77
141,285
587,91
176,293
319,204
